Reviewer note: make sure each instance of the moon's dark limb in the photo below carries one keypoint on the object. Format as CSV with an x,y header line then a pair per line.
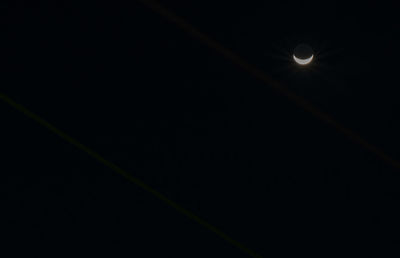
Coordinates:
x,y
303,51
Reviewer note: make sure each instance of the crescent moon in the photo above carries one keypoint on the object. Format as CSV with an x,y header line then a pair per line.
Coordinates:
x,y
303,61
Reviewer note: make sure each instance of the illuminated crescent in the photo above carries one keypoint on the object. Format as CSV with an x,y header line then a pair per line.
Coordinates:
x,y
303,61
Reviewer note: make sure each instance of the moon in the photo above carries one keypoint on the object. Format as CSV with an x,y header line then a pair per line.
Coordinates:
x,y
303,61
303,54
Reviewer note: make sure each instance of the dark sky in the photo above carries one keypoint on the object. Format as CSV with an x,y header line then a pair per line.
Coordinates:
x,y
157,102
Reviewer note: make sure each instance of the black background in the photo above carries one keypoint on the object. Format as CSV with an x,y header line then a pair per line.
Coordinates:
x,y
146,95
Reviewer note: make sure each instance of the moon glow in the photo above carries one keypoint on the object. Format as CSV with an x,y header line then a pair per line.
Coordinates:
x,y
303,61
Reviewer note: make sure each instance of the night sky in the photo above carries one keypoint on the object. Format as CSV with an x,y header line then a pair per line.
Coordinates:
x,y
148,96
